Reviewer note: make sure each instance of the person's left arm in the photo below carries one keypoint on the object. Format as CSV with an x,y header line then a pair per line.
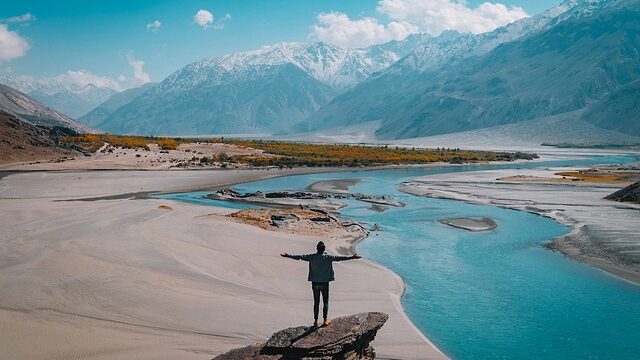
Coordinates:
x,y
343,258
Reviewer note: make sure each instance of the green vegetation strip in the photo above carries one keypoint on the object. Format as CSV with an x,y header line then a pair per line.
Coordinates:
x,y
288,154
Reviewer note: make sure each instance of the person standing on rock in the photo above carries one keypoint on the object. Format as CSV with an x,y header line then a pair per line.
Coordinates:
x,y
320,274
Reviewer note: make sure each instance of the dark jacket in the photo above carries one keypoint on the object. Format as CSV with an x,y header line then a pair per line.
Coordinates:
x,y
320,265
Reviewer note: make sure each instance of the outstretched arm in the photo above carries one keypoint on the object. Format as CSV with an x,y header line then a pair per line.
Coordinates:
x,y
343,258
295,257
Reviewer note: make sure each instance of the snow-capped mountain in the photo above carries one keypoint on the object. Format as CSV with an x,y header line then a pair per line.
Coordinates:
x,y
432,52
27,109
259,91
70,98
337,67
456,82
422,85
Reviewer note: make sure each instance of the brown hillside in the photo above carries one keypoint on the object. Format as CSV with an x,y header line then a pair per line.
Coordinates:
x,y
21,141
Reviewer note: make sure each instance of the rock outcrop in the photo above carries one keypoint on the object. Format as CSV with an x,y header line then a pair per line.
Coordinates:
x,y
346,338
630,193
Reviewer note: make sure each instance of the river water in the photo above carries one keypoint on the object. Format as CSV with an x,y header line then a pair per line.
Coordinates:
x,y
490,295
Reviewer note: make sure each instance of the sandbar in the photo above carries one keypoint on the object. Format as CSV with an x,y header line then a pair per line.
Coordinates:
x,y
471,223
339,186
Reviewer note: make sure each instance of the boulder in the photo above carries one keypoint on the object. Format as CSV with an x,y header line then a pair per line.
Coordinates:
x,y
228,192
346,338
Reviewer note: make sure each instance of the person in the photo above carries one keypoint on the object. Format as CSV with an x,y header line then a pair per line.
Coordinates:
x,y
320,274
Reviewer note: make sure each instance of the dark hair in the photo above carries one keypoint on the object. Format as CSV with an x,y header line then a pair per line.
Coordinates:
x,y
320,247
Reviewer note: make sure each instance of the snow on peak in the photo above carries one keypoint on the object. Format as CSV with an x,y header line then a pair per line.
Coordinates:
x,y
335,66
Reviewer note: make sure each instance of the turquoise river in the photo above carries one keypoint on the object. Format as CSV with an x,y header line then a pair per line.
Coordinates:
x,y
489,295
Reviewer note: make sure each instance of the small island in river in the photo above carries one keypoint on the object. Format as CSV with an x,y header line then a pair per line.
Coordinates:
x,y
471,223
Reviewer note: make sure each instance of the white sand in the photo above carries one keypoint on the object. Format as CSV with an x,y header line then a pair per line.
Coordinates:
x,y
152,159
122,279
338,186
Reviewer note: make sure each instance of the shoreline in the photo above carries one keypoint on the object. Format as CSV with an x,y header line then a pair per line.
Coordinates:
x,y
346,245
41,190
580,244
562,246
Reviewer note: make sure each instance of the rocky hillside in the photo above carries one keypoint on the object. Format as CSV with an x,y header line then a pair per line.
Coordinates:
x,y
630,193
27,109
618,111
347,338
21,141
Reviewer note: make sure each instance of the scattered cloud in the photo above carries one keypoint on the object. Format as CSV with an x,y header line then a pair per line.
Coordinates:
x,y
436,16
336,28
82,78
140,77
12,45
154,26
412,16
203,18
20,19
122,78
221,22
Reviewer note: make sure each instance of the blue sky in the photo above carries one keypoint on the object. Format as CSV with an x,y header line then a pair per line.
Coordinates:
x,y
106,38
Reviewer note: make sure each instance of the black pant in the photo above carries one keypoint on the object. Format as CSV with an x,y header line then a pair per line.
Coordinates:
x,y
317,289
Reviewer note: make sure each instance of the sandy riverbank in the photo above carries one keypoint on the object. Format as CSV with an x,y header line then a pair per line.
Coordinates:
x,y
605,234
118,278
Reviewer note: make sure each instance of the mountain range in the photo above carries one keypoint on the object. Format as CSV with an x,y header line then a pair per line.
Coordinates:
x,y
577,60
577,63
24,108
67,97
113,103
260,91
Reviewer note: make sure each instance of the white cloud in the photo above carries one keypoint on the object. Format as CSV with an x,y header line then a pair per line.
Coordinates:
x,y
12,45
436,16
411,16
20,19
122,78
82,78
139,75
338,29
203,18
154,26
